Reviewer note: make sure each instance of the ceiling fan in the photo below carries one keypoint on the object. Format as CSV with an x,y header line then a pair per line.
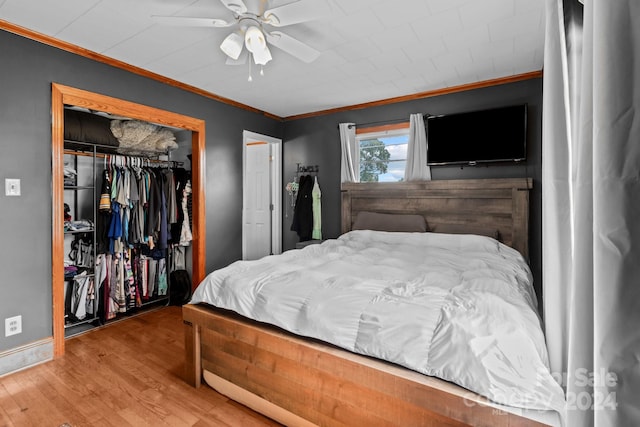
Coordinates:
x,y
253,20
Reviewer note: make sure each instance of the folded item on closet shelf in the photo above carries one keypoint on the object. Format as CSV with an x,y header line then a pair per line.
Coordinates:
x,y
80,296
137,136
87,127
75,272
67,211
69,175
78,225
70,271
69,171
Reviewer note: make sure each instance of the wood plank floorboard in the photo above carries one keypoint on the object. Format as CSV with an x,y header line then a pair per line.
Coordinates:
x,y
127,373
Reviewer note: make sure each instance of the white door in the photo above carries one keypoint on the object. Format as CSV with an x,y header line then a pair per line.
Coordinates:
x,y
261,234
257,225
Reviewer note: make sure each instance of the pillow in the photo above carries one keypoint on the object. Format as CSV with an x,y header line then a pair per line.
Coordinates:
x,y
87,127
389,222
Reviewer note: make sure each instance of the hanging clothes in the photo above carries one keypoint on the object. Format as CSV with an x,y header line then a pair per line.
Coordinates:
x,y
115,229
105,193
152,280
181,179
162,278
171,196
81,296
316,194
142,215
303,212
163,230
82,250
178,258
185,230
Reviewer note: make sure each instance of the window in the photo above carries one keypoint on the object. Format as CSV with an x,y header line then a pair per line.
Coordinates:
x,y
383,152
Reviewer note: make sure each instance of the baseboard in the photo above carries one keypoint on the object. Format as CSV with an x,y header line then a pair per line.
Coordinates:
x,y
26,356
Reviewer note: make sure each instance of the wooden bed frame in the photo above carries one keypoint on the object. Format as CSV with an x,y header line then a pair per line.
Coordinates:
x,y
497,208
298,381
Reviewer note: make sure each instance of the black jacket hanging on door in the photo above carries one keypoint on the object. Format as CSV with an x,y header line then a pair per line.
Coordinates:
x,y
303,212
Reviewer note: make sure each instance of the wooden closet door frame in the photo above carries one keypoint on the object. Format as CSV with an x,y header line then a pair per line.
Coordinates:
x,y
64,95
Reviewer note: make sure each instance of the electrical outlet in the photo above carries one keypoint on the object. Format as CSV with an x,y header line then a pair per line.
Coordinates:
x,y
12,326
11,187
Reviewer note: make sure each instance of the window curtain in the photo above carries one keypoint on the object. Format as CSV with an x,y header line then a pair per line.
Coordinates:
x,y
350,164
416,168
591,208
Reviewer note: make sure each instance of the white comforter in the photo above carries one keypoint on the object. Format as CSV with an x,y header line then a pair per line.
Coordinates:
x,y
458,307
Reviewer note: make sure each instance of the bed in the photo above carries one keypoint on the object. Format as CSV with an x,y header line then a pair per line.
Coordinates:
x,y
299,379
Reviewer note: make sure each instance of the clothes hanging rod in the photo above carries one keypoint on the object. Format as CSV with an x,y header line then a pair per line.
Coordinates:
x,y
91,145
103,155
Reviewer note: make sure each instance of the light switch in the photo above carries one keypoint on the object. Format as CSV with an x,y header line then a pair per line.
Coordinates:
x,y
12,187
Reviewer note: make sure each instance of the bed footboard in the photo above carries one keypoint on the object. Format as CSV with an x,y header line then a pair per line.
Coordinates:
x,y
320,383
192,365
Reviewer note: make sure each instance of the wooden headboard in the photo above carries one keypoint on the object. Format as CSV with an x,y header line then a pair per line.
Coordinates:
x,y
497,208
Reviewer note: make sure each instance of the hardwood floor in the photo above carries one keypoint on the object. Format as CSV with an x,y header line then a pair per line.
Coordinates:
x,y
129,373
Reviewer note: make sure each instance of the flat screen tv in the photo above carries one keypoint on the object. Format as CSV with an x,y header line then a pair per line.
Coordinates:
x,y
493,135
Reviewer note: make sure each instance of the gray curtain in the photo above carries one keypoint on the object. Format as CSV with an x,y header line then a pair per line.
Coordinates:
x,y
349,165
416,168
591,208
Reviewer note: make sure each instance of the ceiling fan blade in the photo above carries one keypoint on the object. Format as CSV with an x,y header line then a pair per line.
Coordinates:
x,y
242,59
292,46
294,13
236,6
186,21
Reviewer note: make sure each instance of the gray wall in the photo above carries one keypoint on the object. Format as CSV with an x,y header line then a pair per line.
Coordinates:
x,y
316,141
28,69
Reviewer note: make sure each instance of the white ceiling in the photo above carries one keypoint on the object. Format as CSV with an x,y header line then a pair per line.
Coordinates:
x,y
370,49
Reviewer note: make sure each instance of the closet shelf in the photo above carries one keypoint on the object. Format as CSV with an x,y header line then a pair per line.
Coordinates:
x,y
80,276
73,323
88,230
79,187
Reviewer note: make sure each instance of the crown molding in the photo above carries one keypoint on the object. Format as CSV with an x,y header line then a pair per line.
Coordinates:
x,y
421,95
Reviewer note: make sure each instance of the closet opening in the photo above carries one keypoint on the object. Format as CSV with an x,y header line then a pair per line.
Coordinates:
x,y
107,262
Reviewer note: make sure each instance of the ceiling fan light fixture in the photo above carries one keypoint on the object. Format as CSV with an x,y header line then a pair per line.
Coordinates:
x,y
254,39
232,45
262,56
